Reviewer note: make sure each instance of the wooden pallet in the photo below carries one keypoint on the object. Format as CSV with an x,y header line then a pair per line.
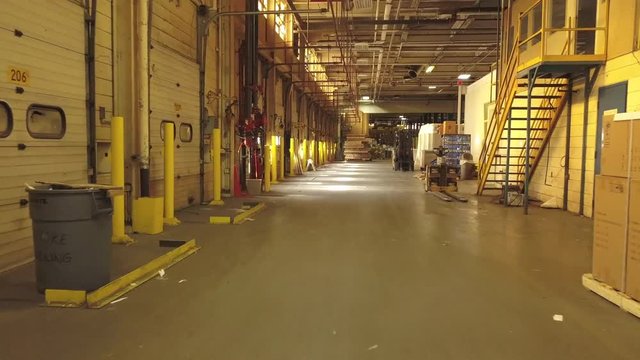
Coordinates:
x,y
622,300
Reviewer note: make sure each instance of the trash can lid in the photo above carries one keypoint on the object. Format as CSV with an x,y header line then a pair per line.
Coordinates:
x,y
45,186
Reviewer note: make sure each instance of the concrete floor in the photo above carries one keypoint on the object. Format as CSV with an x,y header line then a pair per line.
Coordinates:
x,y
353,262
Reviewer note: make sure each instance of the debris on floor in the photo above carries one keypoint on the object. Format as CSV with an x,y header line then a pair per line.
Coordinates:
x,y
373,347
119,300
558,318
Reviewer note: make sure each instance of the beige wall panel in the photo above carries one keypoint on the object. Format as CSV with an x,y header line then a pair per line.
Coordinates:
x,y
52,53
174,97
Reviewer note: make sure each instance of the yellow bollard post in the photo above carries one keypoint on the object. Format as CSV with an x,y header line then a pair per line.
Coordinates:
x,y
216,147
292,157
169,175
312,152
274,160
281,159
267,167
305,151
118,235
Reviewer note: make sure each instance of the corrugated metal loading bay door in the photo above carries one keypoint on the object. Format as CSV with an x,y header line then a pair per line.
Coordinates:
x,y
174,97
43,84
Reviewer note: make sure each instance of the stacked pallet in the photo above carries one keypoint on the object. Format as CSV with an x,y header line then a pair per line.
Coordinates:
x,y
616,242
357,148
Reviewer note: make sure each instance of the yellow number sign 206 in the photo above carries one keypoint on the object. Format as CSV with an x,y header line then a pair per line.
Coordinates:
x,y
18,76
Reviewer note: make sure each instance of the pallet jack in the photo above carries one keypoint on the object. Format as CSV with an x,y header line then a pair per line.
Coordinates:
x,y
441,179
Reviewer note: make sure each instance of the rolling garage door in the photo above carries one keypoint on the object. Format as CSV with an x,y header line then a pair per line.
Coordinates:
x,y
174,97
43,132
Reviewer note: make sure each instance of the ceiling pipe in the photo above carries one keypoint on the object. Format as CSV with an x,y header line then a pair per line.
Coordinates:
x,y
378,84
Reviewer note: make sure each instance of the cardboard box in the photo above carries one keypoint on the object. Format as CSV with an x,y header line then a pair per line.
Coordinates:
x,y
633,248
618,145
449,128
615,147
635,148
610,222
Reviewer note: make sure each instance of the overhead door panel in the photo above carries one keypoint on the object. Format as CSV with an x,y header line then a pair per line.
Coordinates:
x,y
175,97
43,85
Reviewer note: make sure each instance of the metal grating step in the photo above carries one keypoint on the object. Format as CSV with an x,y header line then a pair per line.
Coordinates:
x,y
532,119
533,108
538,97
525,129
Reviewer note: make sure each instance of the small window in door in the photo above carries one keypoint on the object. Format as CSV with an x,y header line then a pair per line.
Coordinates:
x,y
162,129
6,119
46,122
186,132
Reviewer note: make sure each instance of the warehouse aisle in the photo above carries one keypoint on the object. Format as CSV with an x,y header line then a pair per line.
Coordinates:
x,y
353,262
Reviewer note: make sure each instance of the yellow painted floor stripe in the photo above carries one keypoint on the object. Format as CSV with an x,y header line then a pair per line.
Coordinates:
x,y
113,290
243,216
218,220
65,298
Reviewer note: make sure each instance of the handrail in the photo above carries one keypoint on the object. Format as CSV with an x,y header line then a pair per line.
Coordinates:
x,y
548,92
506,95
530,52
528,10
537,33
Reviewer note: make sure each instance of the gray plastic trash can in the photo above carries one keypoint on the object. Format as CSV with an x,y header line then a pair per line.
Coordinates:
x,y
72,237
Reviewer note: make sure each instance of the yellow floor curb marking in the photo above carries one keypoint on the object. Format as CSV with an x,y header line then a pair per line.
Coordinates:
x,y
65,298
216,203
219,220
243,216
106,294
125,239
612,295
171,221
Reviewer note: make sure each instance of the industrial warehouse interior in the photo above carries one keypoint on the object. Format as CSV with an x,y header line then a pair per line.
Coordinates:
x,y
320,179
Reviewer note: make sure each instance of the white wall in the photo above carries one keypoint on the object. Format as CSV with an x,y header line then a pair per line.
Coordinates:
x,y
478,95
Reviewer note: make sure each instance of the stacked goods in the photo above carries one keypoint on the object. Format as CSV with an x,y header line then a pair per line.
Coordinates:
x,y
357,148
616,244
449,128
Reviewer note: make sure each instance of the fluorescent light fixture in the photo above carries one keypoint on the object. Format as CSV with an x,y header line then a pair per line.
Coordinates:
x,y
365,98
432,87
430,68
464,77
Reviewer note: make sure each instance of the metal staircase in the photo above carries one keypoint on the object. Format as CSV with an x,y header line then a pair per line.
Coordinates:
x,y
526,114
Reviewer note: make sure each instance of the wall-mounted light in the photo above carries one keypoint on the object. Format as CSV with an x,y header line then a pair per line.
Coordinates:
x,y
366,98
432,87
464,77
430,68
278,140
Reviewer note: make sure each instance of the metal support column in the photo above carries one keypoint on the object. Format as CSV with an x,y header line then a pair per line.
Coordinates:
x,y
531,81
567,148
507,167
588,86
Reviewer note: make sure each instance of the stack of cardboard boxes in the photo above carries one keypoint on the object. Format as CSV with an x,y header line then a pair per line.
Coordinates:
x,y
616,244
449,128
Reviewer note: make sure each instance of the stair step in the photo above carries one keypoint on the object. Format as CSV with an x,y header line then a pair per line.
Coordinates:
x,y
531,148
524,139
543,85
532,119
532,129
513,157
533,108
538,97
501,181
